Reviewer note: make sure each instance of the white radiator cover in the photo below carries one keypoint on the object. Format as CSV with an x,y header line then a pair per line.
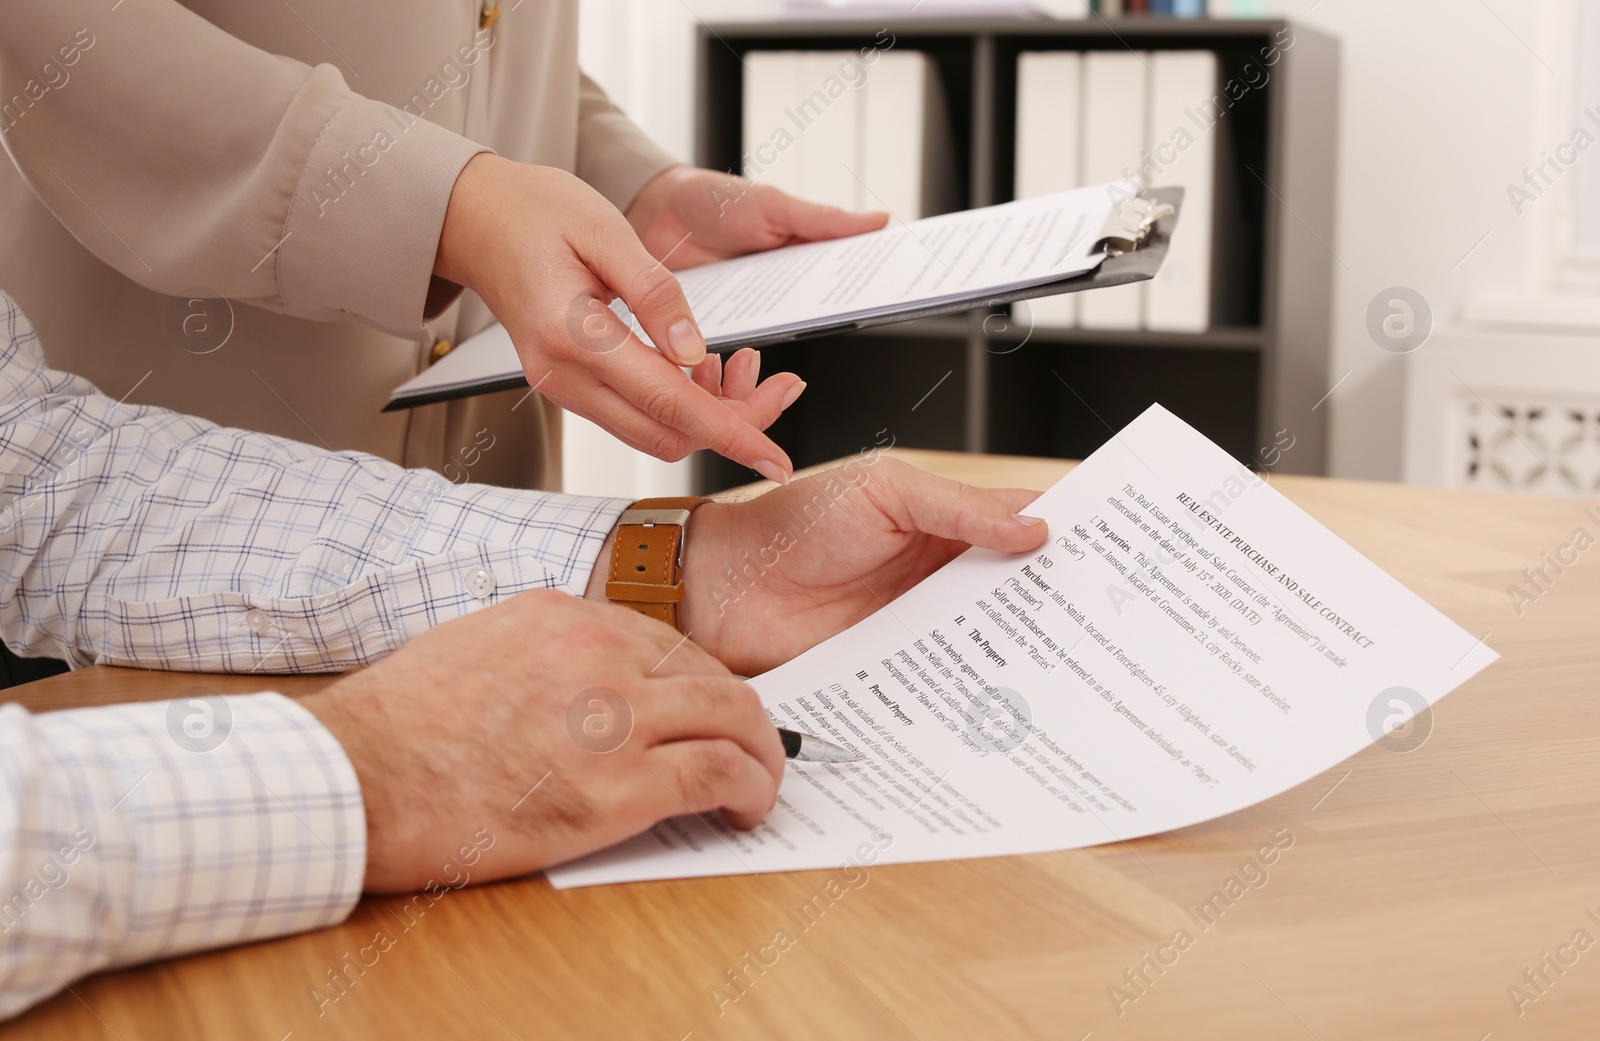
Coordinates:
x,y
1508,409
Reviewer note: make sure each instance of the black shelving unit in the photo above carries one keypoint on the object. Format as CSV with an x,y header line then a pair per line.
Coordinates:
x,y
979,382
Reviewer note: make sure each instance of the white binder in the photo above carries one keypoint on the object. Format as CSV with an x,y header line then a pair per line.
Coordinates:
x,y
1178,298
1049,128
1114,99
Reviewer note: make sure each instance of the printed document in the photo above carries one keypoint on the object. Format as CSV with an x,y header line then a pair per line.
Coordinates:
x,y
1188,643
929,261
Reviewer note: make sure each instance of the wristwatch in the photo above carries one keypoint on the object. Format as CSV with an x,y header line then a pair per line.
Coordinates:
x,y
647,557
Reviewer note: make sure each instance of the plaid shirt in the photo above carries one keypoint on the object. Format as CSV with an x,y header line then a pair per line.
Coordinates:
x,y
132,535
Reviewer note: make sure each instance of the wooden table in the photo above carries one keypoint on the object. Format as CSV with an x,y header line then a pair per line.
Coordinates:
x,y
1419,889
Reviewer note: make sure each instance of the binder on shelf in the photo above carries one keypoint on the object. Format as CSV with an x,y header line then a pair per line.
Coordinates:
x,y
904,153
1114,96
1049,128
824,117
1179,298
1129,248
772,80
828,127
1065,8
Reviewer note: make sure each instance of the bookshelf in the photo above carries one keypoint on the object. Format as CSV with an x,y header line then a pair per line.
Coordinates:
x,y
981,383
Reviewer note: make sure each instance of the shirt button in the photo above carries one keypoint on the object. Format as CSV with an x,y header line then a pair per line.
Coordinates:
x,y
488,16
440,349
256,621
480,582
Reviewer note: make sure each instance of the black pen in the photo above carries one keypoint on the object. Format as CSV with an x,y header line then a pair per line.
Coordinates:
x,y
807,749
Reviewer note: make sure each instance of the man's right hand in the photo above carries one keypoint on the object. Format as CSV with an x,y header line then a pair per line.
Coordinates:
x,y
561,725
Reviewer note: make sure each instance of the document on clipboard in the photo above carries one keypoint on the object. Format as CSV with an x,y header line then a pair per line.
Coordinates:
x,y
1069,241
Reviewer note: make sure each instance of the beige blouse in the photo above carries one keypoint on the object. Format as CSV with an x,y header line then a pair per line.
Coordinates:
x,y
231,207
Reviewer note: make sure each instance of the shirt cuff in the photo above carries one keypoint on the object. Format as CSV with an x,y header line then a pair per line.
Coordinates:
x,y
363,230
161,828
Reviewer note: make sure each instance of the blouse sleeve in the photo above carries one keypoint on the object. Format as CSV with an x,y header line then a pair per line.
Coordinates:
x,y
187,159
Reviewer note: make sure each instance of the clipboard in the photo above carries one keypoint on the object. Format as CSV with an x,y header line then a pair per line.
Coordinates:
x,y
1134,239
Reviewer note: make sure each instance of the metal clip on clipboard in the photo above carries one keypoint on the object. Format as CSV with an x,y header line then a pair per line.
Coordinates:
x,y
1130,224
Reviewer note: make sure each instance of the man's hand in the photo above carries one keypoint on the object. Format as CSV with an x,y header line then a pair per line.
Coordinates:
x,y
771,577
560,725
548,254
687,216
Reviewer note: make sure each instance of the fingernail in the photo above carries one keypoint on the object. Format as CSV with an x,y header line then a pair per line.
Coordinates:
x,y
685,342
771,471
1027,522
755,367
794,394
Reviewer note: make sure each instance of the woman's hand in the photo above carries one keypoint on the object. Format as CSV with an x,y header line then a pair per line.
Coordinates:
x,y
548,254
687,216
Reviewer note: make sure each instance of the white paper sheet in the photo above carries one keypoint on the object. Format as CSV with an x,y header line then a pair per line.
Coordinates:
x,y
1188,643
815,285
928,261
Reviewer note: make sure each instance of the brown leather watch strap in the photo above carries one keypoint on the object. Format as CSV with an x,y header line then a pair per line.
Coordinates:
x,y
647,558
